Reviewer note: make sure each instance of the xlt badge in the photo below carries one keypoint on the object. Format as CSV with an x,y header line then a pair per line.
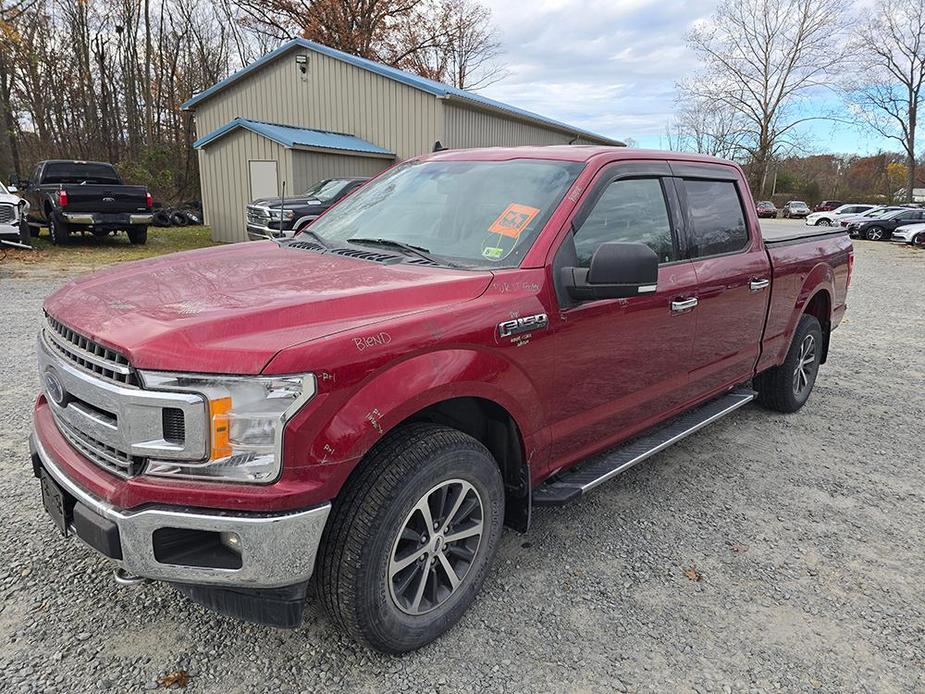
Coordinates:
x,y
516,326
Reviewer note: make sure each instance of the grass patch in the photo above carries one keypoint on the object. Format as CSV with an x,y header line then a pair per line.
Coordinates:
x,y
88,251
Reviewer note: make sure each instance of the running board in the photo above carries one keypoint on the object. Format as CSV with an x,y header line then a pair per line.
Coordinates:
x,y
572,483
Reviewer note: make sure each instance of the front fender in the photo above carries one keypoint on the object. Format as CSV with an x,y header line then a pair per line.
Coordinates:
x,y
401,390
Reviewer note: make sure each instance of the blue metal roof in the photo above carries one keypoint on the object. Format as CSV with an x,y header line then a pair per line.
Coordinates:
x,y
292,137
430,86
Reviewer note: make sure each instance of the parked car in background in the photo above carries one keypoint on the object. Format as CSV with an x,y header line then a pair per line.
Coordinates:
x,y
13,213
909,233
473,334
266,217
849,223
827,205
69,195
830,217
795,209
881,228
765,209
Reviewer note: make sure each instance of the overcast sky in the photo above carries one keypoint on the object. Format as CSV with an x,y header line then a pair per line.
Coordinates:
x,y
611,67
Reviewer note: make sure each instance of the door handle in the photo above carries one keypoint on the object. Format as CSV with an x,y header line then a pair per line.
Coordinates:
x,y
757,285
681,305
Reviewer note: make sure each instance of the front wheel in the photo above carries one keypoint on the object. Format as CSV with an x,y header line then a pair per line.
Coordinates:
x,y
824,223
875,234
786,388
410,540
919,240
25,232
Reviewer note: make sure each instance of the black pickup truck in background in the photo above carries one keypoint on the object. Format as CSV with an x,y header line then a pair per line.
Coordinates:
x,y
68,196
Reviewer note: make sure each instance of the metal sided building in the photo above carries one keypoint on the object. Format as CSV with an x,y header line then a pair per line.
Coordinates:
x,y
305,112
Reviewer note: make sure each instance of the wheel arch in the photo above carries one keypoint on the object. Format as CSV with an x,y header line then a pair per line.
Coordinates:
x,y
474,391
820,307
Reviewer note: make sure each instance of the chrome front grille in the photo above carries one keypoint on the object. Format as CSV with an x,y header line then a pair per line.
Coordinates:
x,y
257,215
103,411
98,452
7,214
89,355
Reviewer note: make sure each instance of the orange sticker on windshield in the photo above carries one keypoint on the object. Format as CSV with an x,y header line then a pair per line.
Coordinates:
x,y
514,220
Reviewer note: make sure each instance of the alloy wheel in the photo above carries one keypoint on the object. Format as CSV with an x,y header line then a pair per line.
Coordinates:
x,y
435,547
806,366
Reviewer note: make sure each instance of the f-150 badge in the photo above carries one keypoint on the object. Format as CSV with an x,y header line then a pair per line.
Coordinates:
x,y
525,324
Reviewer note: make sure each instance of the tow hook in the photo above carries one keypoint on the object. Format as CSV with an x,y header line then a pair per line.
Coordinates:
x,y
123,578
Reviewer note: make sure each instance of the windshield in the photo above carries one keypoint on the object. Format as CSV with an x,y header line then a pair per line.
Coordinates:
x,y
3,190
327,190
80,172
483,214
892,213
798,204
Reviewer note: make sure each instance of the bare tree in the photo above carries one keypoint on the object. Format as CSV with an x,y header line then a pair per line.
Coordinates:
x,y
890,69
465,47
761,58
707,127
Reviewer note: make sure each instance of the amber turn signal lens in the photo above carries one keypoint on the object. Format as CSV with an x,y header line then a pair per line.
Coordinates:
x,y
218,415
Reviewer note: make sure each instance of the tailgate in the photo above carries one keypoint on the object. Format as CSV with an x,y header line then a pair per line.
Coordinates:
x,y
106,199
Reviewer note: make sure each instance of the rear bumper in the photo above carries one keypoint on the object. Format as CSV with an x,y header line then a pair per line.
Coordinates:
x,y
99,219
273,550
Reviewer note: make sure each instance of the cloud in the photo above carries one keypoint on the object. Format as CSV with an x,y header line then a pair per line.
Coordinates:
x,y
609,67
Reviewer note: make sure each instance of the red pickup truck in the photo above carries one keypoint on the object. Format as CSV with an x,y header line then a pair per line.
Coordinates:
x,y
472,334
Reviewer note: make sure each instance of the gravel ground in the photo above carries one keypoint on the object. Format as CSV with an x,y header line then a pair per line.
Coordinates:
x,y
804,534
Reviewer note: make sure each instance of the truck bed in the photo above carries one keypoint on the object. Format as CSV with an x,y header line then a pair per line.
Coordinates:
x,y
776,233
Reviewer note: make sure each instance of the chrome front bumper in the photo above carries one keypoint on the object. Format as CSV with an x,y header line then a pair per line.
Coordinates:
x,y
276,549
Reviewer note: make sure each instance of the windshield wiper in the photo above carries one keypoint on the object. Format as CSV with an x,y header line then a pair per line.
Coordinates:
x,y
407,247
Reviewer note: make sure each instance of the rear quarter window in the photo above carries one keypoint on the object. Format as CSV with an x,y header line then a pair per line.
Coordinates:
x,y
716,218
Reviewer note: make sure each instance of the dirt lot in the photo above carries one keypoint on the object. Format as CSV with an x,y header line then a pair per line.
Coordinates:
x,y
769,552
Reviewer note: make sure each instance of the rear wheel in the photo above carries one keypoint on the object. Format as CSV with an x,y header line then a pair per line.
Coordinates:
x,y
410,540
786,388
58,230
824,222
138,235
875,234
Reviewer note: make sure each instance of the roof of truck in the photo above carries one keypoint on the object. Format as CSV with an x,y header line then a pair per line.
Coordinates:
x,y
577,153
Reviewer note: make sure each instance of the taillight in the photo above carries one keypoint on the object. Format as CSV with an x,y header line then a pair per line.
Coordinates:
x,y
62,198
850,268
149,201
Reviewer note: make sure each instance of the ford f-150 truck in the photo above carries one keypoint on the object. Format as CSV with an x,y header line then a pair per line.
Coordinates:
x,y
360,409
85,196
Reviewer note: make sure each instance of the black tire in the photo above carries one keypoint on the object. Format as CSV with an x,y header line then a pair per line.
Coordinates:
x,y
161,219
876,234
370,519
919,240
25,232
824,222
58,230
179,219
138,235
782,388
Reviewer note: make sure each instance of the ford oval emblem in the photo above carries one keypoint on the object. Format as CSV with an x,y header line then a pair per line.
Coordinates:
x,y
54,389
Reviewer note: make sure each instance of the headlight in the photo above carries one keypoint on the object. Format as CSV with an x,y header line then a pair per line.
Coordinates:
x,y
287,214
247,416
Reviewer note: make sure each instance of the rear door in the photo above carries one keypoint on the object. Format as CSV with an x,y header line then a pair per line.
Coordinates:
x,y
733,276
622,363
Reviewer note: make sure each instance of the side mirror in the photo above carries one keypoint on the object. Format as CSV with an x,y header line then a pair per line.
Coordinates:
x,y
14,181
618,271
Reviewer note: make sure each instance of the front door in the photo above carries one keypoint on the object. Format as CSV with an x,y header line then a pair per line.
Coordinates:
x,y
622,363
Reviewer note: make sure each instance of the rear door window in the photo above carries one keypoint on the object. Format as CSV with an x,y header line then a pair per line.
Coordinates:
x,y
717,222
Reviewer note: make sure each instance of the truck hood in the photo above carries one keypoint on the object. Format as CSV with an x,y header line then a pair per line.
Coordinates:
x,y
229,310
